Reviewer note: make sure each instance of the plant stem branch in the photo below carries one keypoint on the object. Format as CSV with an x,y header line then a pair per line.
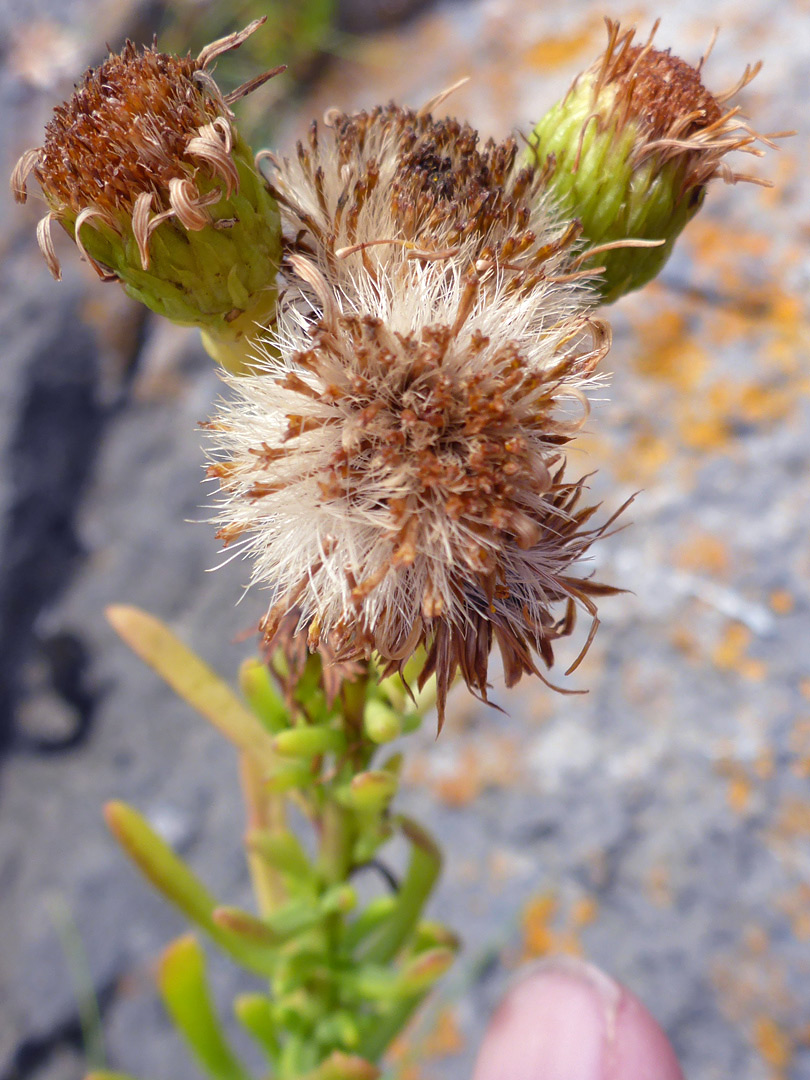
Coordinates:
x,y
267,812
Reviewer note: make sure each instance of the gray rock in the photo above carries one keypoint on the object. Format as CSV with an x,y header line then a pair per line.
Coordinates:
x,y
664,814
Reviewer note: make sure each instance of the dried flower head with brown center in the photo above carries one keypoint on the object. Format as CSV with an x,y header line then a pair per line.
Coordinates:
x,y
394,186
144,156
631,147
397,475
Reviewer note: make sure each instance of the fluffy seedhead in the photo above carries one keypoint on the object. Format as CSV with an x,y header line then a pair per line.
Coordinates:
x,y
630,149
397,475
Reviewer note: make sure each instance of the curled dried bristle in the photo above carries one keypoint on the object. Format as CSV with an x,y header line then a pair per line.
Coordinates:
x,y
133,125
125,131
674,114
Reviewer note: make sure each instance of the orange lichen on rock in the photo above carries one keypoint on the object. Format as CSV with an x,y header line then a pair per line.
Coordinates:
x,y
687,642
796,905
465,783
667,349
710,422
752,989
773,1043
555,50
540,934
793,819
730,653
584,911
724,249
658,886
740,784
409,1051
782,602
703,553
490,762
744,778
445,1038
739,793
647,456
799,745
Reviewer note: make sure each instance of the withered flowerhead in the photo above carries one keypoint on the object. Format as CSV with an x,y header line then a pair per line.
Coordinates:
x,y
376,192
145,169
630,150
396,475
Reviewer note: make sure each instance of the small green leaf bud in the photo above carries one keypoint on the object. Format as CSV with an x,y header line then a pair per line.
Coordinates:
x,y
373,835
260,693
283,850
340,898
252,930
286,777
629,151
255,1013
307,742
339,1027
430,933
295,1012
371,792
372,982
376,912
382,724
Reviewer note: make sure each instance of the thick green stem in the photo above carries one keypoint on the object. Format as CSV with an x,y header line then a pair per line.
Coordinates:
x,y
337,835
353,696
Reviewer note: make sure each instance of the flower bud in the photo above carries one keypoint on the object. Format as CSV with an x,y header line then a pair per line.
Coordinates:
x,y
146,171
381,723
307,742
371,792
630,149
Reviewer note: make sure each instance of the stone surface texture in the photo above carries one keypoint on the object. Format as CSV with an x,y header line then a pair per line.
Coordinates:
x,y
659,825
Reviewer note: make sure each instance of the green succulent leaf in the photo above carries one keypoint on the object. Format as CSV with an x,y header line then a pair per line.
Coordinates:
x,y
192,680
283,850
308,742
255,1013
422,874
260,693
178,884
184,989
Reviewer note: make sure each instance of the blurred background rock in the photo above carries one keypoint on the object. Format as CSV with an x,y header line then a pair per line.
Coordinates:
x,y
659,825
